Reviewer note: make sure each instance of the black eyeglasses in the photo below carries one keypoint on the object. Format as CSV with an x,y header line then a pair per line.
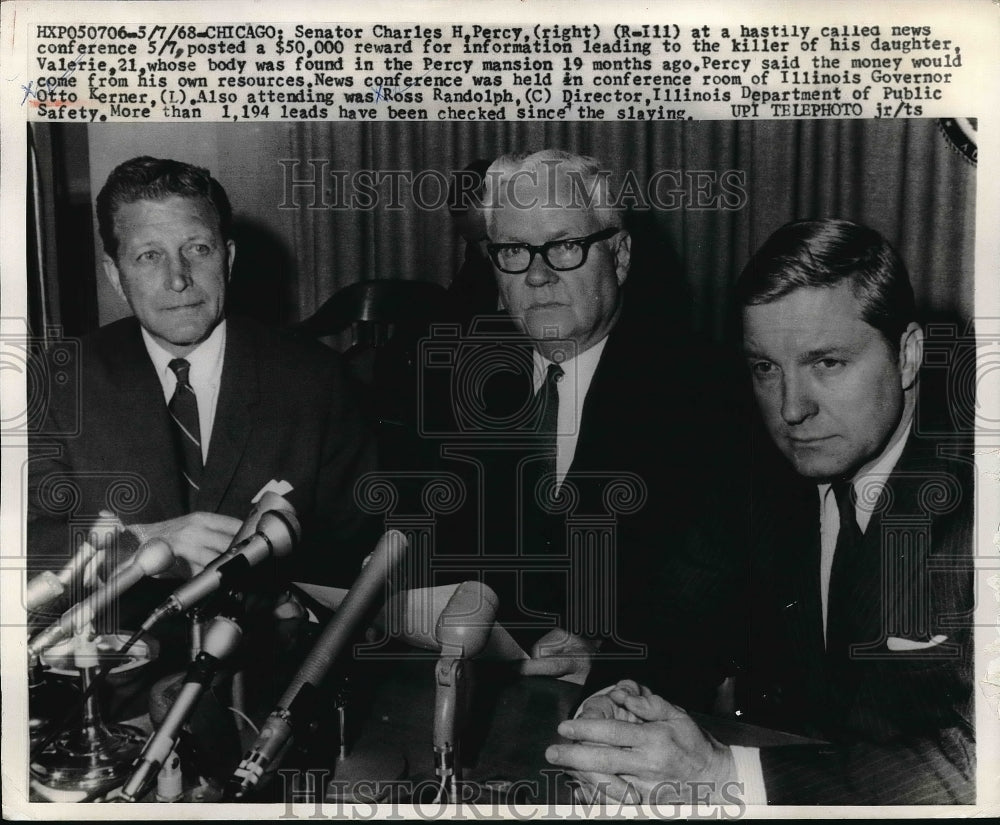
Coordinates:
x,y
562,255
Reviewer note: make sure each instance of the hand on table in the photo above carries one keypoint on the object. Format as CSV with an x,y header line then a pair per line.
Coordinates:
x,y
637,747
559,653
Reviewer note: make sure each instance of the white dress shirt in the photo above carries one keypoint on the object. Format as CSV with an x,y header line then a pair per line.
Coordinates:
x,y
572,387
868,484
205,376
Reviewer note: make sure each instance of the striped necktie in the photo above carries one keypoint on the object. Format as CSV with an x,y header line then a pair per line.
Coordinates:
x,y
183,409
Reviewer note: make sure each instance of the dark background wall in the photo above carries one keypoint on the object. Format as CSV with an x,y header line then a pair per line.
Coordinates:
x,y
903,178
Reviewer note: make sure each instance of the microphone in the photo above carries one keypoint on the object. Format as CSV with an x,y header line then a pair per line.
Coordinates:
x,y
463,630
153,557
47,586
464,626
277,532
267,502
221,639
277,730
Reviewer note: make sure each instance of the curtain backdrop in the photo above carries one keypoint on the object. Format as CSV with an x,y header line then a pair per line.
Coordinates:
x,y
902,177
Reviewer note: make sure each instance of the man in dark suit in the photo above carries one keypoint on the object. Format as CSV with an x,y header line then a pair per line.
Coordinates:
x,y
590,488
861,584
182,416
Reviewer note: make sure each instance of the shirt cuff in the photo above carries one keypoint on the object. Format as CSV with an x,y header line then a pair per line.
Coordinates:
x,y
601,692
750,774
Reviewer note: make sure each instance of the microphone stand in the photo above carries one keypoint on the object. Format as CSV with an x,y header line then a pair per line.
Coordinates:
x,y
201,738
92,756
452,687
462,631
294,712
220,640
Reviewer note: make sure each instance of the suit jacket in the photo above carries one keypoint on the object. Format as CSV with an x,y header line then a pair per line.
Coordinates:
x,y
284,411
898,716
637,550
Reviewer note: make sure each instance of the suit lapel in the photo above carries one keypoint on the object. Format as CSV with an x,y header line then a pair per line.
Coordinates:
x,y
892,566
139,419
239,392
601,429
800,608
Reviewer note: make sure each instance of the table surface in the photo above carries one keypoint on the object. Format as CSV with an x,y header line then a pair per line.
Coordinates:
x,y
510,722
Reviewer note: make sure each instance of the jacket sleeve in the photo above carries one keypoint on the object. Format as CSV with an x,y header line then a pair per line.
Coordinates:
x,y
933,770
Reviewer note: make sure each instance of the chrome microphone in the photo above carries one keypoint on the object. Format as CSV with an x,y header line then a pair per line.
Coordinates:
x,y
153,557
47,586
463,630
220,641
277,730
277,532
464,626
269,501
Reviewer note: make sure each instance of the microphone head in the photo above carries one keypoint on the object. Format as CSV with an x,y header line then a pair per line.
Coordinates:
x,y
273,501
154,557
221,638
282,529
464,626
267,502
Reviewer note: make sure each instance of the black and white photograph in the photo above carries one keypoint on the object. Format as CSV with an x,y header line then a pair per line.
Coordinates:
x,y
574,464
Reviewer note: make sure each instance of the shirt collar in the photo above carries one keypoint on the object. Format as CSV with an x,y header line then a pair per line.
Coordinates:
x,y
579,370
869,483
205,359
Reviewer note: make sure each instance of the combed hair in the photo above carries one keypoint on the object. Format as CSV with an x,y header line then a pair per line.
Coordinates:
x,y
823,253
146,178
590,183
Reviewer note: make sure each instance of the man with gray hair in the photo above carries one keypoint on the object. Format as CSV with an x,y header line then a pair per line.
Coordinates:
x,y
610,457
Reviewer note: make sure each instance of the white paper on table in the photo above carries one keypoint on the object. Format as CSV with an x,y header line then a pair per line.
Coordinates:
x,y
412,616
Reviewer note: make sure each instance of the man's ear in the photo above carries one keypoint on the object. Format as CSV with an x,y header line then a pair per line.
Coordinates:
x,y
911,354
231,253
111,271
623,256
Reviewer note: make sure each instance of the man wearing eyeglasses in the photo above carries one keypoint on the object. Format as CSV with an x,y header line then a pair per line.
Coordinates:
x,y
622,521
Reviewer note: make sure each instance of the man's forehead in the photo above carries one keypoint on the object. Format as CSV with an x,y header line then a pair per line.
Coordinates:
x,y
150,212
809,315
540,218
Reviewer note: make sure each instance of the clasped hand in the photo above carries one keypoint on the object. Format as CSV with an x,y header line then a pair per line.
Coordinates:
x,y
632,746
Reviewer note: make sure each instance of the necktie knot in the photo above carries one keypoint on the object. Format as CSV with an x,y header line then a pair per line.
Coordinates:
x,y
843,492
182,369
554,374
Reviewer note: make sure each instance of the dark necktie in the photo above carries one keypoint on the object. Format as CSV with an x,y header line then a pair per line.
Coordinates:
x,y
183,409
842,574
549,417
542,590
